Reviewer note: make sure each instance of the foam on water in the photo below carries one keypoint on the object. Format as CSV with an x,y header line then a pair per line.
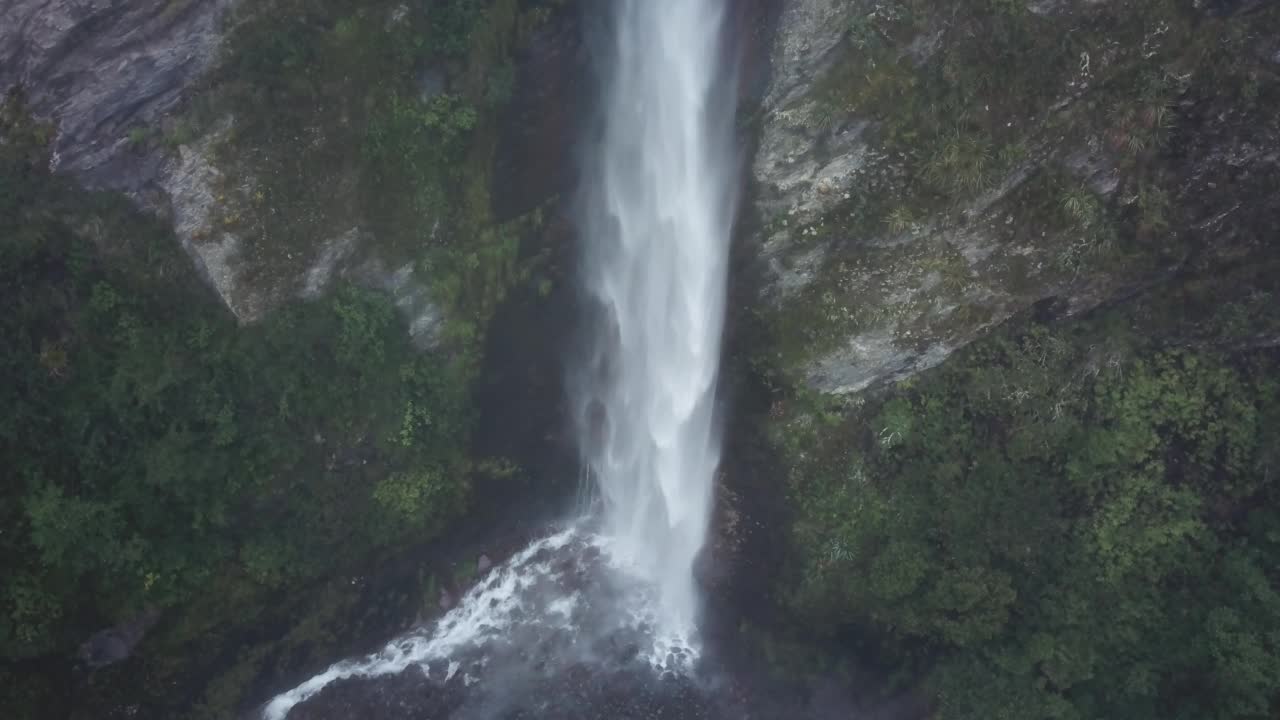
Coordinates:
x,y
563,592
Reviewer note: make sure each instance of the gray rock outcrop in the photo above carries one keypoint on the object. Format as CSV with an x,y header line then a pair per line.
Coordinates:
x,y
103,69
114,644
108,75
878,265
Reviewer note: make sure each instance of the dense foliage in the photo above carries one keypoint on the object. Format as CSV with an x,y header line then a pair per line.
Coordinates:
x,y
154,451
165,459
1072,518
1055,525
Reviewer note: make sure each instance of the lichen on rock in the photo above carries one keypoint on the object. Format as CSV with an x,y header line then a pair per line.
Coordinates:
x,y
925,174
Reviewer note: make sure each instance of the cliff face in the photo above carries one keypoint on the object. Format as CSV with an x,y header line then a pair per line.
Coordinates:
x,y
102,70
292,145
292,149
925,173
1015,349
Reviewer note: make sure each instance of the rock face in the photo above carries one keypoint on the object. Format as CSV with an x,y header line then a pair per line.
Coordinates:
x,y
801,173
114,644
198,195
263,164
103,69
190,181
918,181
109,76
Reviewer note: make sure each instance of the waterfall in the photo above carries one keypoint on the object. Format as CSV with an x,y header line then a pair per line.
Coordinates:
x,y
656,209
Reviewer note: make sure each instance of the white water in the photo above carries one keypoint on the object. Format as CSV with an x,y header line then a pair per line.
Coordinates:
x,y
657,209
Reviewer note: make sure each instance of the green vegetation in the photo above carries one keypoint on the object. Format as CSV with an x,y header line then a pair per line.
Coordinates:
x,y
962,90
1062,522
139,136
1069,518
384,116
155,450
163,458
944,84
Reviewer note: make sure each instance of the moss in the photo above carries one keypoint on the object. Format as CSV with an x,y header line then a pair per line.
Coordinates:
x,y
1010,99
357,138
930,454
998,77
303,417
896,285
1119,143
349,140
958,114
31,693
140,136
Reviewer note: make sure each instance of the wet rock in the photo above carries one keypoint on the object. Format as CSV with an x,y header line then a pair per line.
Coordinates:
x,y
871,281
595,662
405,696
541,125
1223,8
115,644
102,68
483,564
431,82
410,292
110,76
436,670
190,180
808,36
104,648
802,168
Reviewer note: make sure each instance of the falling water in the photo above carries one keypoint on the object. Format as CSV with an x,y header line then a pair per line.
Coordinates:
x,y
656,210
657,206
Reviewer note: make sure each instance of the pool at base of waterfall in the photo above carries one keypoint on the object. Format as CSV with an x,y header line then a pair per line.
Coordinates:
x,y
560,631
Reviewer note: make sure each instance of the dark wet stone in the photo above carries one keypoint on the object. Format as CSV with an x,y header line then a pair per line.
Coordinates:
x,y
114,644
629,652
437,670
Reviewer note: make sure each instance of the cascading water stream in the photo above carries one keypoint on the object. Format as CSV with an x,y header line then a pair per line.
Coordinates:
x,y
657,205
657,210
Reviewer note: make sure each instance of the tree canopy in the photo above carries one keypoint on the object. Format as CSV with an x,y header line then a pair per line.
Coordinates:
x,y
1052,525
153,449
